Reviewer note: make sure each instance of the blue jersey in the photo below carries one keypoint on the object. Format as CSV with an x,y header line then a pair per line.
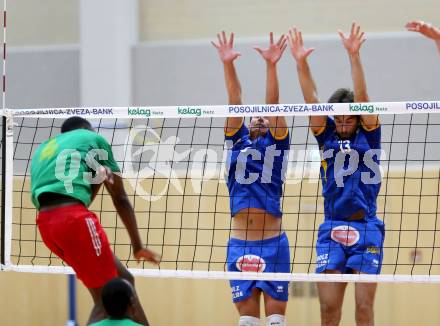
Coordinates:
x,y
349,188
255,171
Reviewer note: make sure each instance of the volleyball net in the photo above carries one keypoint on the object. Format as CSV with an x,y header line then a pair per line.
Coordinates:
x,y
172,160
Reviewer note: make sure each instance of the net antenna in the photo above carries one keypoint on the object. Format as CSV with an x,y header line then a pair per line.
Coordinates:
x,y
3,146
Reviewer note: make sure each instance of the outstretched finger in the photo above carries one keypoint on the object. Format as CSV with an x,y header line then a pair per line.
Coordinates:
x,y
300,38
148,255
412,24
214,44
342,35
308,51
291,37
271,38
224,37
353,24
281,40
283,47
361,37
290,40
295,34
219,39
358,28
413,27
155,258
231,39
259,50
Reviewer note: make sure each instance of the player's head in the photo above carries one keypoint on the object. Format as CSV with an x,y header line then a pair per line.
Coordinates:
x,y
346,125
117,297
74,123
258,126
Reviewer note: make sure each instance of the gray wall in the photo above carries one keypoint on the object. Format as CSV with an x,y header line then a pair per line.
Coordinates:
x,y
398,67
42,77
180,20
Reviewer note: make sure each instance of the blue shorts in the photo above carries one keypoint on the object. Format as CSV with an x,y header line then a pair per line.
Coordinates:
x,y
349,246
268,256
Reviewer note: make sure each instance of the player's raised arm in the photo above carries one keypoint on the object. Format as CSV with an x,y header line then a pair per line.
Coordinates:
x,y
227,54
308,87
353,44
115,186
272,55
425,29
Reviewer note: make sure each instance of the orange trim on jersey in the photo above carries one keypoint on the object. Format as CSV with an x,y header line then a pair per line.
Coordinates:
x,y
370,129
272,131
320,131
232,133
324,167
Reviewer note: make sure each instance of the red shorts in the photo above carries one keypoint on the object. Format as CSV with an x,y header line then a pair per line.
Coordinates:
x,y
75,235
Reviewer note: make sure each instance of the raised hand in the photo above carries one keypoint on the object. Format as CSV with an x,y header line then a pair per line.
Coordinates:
x,y
225,48
424,28
296,44
148,255
354,41
274,52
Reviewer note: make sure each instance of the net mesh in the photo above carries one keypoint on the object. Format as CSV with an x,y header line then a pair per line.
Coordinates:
x,y
174,175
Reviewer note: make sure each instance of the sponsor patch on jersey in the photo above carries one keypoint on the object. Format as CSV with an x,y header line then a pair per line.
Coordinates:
x,y
372,250
251,263
345,234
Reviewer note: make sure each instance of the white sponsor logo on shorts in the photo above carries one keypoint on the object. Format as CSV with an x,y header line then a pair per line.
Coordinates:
x,y
322,260
236,292
345,234
251,263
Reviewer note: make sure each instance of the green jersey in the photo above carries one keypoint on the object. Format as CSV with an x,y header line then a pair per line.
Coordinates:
x,y
66,164
116,322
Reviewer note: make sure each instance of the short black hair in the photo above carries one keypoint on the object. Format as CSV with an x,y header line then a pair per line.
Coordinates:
x,y
116,296
342,95
73,123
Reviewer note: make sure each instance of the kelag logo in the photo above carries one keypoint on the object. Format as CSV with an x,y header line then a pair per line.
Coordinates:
x,y
187,110
365,108
139,111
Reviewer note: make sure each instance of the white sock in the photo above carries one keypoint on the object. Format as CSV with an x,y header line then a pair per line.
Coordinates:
x,y
275,320
249,321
